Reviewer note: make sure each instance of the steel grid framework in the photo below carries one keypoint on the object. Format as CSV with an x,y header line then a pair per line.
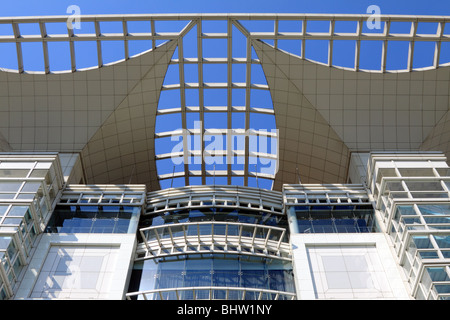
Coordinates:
x,y
174,239
258,200
236,21
202,132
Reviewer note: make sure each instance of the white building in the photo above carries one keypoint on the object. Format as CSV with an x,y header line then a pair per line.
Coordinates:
x,y
234,156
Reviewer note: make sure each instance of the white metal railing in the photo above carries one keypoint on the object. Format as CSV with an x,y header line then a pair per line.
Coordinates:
x,y
223,196
211,293
214,236
324,194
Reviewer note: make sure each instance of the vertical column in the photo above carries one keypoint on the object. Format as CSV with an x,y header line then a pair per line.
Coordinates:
x,y
292,219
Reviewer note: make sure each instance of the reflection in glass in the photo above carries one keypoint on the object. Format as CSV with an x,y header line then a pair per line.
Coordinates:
x,y
93,219
226,270
337,219
215,214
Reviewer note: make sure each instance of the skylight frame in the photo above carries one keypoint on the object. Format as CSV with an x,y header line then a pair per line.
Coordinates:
x,y
156,36
204,109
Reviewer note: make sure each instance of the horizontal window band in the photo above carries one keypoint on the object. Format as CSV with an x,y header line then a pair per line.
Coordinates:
x,y
195,109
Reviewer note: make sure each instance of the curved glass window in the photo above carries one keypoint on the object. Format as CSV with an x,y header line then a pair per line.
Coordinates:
x,y
215,214
211,270
338,220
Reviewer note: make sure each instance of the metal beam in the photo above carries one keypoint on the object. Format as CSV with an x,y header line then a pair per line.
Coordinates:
x,y
44,47
99,44
17,36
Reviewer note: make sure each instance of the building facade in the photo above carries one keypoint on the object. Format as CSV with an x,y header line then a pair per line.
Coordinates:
x,y
232,156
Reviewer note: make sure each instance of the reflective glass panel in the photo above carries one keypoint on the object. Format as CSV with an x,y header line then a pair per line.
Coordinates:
x,y
91,219
225,270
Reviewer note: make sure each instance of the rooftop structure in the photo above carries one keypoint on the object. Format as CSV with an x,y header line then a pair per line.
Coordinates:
x,y
187,99
224,156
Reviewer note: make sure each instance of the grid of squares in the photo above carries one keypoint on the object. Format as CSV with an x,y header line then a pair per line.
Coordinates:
x,y
367,111
215,120
412,193
348,272
76,272
29,184
356,42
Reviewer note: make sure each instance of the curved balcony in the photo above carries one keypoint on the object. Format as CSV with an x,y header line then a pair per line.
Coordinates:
x,y
212,275
211,293
205,236
213,242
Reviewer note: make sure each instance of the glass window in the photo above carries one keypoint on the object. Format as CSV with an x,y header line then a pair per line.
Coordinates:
x,y
26,196
424,186
91,219
431,209
43,165
157,221
416,172
31,186
18,211
170,273
419,194
437,274
212,270
226,272
253,274
3,210
7,195
438,220
281,277
12,221
337,219
200,215
10,186
394,186
17,266
11,250
13,173
198,271
4,242
421,242
16,165
39,173
442,241
406,210
428,255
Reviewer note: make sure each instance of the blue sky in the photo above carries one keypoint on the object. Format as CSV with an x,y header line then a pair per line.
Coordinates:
x,y
57,7
319,53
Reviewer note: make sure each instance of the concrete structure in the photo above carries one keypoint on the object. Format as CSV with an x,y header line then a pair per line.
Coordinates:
x,y
229,156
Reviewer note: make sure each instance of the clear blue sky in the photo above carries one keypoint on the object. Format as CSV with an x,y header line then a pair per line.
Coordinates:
x,y
57,7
